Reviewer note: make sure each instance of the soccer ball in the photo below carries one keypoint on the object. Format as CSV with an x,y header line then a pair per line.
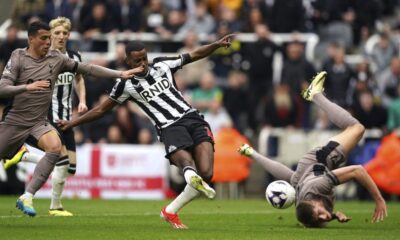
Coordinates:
x,y
280,194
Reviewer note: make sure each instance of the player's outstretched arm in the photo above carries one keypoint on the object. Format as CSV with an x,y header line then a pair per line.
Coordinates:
x,y
208,49
358,173
90,116
81,92
99,71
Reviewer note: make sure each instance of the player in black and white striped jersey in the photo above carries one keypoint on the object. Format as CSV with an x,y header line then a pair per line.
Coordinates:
x,y
187,137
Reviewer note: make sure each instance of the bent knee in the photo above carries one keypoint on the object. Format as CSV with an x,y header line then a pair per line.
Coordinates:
x,y
359,128
55,147
206,175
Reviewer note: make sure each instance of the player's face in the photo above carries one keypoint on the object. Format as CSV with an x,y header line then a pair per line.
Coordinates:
x,y
59,37
137,59
40,42
322,214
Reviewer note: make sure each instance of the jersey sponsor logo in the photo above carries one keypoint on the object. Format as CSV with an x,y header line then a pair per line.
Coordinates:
x,y
65,78
155,89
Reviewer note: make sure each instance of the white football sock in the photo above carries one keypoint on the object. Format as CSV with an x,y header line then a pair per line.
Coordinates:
x,y
27,195
58,180
189,172
31,157
187,195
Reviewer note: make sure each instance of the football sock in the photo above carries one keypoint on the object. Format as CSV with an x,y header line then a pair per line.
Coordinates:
x,y
31,157
187,195
58,180
336,114
42,171
189,172
27,195
275,168
72,169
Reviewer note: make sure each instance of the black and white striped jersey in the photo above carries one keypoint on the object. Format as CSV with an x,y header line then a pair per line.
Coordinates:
x,y
61,106
156,93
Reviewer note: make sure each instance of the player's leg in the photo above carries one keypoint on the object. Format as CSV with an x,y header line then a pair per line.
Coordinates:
x,y
49,141
352,129
60,174
275,168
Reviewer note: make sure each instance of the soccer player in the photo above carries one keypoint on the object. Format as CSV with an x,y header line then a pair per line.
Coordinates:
x,y
318,172
187,137
61,108
29,79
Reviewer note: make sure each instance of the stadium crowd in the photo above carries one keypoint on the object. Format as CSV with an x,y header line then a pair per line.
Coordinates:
x,y
235,86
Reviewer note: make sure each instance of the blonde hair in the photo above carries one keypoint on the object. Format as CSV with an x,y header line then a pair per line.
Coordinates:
x,y
61,21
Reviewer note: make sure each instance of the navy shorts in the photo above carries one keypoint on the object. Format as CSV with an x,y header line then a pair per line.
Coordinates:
x,y
186,133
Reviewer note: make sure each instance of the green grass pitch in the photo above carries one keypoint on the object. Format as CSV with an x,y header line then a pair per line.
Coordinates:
x,y
218,219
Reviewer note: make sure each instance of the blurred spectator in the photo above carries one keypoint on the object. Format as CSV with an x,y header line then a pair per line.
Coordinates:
x,y
55,8
362,81
9,45
369,114
285,16
207,93
388,81
26,11
259,56
282,108
235,100
192,73
226,59
383,52
97,131
128,124
145,136
6,48
118,63
172,25
340,73
229,18
253,19
393,123
154,15
114,135
98,21
127,14
217,117
297,70
201,22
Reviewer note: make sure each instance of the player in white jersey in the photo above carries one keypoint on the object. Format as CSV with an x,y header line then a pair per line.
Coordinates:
x,y
187,137
60,109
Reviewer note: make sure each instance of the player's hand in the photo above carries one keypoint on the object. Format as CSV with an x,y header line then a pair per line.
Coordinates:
x,y
246,150
131,72
341,217
63,124
38,85
225,41
380,211
82,108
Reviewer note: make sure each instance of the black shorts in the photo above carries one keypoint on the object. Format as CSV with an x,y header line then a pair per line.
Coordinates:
x,y
186,133
67,138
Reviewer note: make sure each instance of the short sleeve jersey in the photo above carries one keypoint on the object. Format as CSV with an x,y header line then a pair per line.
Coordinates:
x,y
156,93
30,107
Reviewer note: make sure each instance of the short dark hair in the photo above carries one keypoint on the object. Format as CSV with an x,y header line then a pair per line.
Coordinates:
x,y
305,215
134,46
34,27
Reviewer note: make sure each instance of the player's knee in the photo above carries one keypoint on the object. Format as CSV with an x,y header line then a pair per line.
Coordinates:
x,y
54,148
206,174
359,128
